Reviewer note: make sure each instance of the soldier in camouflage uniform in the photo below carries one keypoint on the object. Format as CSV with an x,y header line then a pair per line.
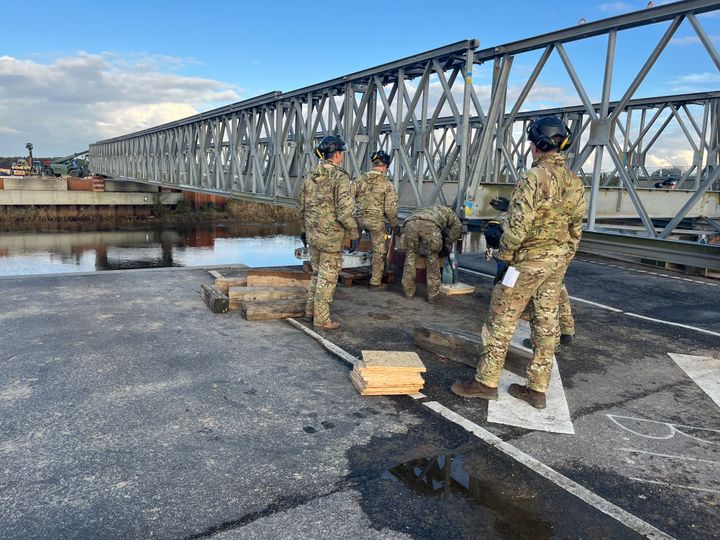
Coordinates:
x,y
493,232
376,200
326,213
542,233
430,231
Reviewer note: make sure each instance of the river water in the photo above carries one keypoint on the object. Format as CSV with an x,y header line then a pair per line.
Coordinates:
x,y
89,248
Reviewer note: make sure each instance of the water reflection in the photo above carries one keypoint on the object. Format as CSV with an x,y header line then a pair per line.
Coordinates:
x,y
72,249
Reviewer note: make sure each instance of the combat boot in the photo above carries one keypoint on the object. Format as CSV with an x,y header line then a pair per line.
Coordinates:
x,y
533,397
566,339
474,389
329,325
374,288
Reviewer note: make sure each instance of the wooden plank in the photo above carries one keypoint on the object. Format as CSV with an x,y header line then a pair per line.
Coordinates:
x,y
214,298
395,390
224,283
240,295
403,360
458,346
215,274
456,289
275,309
279,278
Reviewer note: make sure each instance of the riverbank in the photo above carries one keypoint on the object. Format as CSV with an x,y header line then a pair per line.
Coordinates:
x,y
243,212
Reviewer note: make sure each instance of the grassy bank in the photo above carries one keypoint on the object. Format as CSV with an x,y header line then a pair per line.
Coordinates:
x,y
235,211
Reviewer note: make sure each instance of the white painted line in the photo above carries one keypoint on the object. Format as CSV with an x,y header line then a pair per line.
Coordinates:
x,y
476,273
668,484
670,456
616,310
703,370
602,306
626,518
679,325
419,395
329,345
511,411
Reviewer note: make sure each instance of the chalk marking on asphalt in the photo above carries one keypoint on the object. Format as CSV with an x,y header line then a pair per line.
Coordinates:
x,y
514,412
623,516
668,484
703,370
671,428
616,310
670,456
329,345
679,325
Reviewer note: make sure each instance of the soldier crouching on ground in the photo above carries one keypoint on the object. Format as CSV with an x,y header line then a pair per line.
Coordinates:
x,y
326,212
541,235
430,231
376,200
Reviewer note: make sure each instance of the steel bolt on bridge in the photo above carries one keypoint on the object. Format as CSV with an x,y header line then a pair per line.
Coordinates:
x,y
456,145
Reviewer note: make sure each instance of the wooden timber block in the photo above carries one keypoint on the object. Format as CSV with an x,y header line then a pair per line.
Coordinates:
x,y
456,289
392,360
462,347
240,295
275,309
214,298
281,278
348,276
364,390
458,346
224,283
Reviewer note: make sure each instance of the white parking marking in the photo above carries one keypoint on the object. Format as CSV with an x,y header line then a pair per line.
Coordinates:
x,y
703,370
626,518
514,412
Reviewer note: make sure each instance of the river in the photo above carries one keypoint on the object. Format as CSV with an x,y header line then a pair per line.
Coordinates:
x,y
81,248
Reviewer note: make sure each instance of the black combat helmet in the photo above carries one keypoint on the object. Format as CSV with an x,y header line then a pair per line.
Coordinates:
x,y
329,145
381,155
549,133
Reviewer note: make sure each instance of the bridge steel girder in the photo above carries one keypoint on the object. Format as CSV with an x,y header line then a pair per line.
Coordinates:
x,y
446,138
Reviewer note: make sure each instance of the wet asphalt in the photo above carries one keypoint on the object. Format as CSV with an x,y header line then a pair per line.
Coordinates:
x,y
128,410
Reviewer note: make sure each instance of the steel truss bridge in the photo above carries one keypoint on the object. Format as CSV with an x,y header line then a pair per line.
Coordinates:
x,y
458,143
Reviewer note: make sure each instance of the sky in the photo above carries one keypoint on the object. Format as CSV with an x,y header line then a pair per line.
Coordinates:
x,y
75,72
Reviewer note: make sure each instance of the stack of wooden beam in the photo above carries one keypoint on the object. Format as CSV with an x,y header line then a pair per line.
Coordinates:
x,y
382,373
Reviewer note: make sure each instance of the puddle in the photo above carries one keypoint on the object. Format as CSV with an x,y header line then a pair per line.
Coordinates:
x,y
445,478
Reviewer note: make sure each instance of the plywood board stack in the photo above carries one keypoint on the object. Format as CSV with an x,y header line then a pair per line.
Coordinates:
x,y
456,289
384,373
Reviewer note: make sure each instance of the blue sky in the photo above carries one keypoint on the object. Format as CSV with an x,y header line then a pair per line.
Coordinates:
x,y
79,71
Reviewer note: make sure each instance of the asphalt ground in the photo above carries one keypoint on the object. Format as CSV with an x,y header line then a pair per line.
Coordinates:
x,y
128,410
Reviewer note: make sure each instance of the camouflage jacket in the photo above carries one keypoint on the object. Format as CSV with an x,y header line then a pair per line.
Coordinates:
x,y
546,212
376,199
326,208
444,218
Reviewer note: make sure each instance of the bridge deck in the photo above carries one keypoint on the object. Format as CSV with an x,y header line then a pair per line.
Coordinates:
x,y
138,412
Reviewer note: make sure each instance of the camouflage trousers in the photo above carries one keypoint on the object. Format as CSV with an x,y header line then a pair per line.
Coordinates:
x,y
423,237
379,251
539,282
326,266
565,318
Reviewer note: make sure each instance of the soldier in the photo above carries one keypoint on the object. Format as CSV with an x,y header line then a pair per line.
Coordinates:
x,y
430,231
493,231
326,213
542,233
376,200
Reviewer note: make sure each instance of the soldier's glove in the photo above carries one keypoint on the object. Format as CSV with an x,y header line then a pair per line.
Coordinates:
x,y
445,233
397,230
444,252
500,270
303,239
501,204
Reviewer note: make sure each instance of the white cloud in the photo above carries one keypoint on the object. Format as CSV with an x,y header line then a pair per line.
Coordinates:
x,y
65,104
690,40
699,78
